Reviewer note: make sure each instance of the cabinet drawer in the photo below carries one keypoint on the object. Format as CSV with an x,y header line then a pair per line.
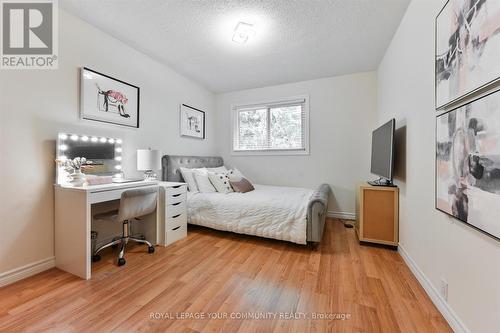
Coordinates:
x,y
176,220
109,195
176,198
173,234
176,190
175,209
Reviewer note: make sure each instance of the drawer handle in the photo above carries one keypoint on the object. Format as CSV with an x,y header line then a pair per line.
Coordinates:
x,y
176,228
176,216
176,195
177,186
175,204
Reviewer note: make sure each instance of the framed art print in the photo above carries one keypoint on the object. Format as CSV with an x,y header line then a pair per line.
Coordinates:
x,y
467,48
109,100
468,163
192,122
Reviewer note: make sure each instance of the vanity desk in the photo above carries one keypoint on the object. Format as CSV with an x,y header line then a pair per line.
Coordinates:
x,y
73,222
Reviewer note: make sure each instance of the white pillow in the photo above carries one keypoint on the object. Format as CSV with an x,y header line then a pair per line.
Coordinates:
x,y
202,181
220,182
202,170
188,176
234,174
220,169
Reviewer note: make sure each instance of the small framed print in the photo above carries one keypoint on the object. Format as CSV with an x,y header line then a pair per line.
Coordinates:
x,y
192,122
108,100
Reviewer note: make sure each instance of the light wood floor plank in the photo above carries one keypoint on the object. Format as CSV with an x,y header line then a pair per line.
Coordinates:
x,y
212,272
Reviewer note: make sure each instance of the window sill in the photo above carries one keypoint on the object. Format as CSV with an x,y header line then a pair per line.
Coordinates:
x,y
269,152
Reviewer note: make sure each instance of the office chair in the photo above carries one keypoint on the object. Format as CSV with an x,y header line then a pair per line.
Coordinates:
x,y
133,204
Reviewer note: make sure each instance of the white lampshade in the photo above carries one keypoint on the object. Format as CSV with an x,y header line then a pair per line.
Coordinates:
x,y
148,159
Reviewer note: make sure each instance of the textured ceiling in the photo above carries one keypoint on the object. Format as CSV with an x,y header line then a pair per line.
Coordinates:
x,y
296,39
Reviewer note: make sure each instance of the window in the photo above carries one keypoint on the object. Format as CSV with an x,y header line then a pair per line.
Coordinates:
x,y
272,128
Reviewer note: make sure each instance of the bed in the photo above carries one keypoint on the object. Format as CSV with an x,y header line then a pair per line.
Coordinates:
x,y
286,213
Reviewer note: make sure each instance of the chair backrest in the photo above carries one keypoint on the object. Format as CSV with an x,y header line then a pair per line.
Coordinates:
x,y
137,202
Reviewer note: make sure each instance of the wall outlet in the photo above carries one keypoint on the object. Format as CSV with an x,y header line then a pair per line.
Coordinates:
x,y
444,289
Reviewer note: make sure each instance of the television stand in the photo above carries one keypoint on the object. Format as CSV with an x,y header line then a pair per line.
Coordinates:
x,y
381,182
377,211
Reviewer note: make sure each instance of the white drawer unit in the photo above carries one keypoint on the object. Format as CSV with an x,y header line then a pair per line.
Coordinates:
x,y
172,214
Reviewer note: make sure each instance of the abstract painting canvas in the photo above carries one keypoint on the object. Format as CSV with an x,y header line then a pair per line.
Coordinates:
x,y
108,100
468,163
192,122
467,48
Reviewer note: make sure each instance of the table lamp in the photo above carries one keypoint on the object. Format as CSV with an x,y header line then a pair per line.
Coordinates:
x,y
149,161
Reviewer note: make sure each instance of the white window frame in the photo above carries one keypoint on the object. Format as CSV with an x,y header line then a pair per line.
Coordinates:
x,y
264,104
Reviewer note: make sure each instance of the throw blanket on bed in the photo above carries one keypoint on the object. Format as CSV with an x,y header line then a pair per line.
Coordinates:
x,y
268,211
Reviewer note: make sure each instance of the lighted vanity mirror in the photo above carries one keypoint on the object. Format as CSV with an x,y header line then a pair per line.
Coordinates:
x,y
103,155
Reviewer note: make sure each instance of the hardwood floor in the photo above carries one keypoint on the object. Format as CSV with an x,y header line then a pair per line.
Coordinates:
x,y
224,274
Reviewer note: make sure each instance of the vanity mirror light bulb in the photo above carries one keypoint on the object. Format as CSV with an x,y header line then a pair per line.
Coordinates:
x,y
118,167
111,140
85,138
62,158
63,147
94,139
119,141
74,137
63,136
103,140
118,158
118,150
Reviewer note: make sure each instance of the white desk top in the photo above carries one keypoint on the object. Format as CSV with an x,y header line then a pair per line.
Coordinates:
x,y
116,186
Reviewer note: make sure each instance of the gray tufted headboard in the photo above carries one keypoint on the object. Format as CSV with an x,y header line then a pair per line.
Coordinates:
x,y
170,165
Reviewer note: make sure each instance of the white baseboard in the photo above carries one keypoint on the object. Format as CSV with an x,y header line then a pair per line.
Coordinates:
x,y
451,317
23,272
341,215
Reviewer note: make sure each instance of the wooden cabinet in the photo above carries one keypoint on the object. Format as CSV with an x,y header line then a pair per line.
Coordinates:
x,y
377,214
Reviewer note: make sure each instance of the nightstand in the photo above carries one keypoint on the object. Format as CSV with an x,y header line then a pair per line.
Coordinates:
x,y
172,214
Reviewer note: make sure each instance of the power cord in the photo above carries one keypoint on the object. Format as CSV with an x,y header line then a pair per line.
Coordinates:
x,y
346,225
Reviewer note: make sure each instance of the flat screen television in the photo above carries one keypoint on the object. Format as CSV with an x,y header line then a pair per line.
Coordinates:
x,y
382,163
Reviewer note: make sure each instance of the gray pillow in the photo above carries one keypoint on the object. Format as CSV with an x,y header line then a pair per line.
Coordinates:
x,y
241,185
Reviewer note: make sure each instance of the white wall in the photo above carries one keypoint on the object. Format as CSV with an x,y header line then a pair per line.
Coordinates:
x,y
342,114
36,104
441,247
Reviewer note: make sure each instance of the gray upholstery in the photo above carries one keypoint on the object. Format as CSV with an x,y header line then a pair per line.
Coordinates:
x,y
316,212
171,165
137,202
133,204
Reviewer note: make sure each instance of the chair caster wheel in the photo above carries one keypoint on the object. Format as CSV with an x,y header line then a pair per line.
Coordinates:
x,y
151,249
96,258
121,261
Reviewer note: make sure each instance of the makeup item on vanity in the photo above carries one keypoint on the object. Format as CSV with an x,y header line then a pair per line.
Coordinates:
x,y
98,180
149,161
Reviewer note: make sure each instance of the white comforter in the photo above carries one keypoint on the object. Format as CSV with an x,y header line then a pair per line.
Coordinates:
x,y
268,211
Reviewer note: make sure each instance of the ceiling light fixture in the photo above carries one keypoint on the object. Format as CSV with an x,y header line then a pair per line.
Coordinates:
x,y
243,32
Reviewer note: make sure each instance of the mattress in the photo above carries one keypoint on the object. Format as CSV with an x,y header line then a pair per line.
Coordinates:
x,y
269,211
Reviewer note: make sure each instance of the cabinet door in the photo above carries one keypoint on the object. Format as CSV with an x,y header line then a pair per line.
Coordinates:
x,y
379,215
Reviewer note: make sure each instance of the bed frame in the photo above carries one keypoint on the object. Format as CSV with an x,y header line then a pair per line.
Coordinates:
x,y
316,210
